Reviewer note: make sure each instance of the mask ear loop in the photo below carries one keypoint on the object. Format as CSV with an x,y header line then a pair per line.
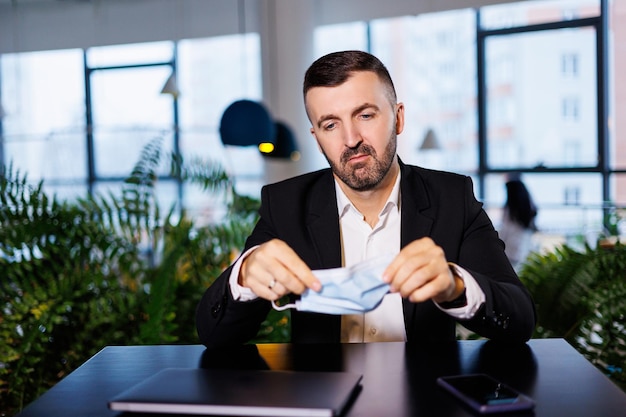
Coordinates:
x,y
283,307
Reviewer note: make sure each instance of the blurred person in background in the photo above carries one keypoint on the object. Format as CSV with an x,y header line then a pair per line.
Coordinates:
x,y
518,222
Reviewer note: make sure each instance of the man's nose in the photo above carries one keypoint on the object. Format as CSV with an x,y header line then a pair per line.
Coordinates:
x,y
352,136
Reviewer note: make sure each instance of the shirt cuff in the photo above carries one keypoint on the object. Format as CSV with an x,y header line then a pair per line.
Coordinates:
x,y
473,293
239,292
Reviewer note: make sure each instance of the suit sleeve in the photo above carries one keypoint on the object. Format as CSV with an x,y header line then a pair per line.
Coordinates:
x,y
509,311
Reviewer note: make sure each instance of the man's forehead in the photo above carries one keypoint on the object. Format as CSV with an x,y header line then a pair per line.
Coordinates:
x,y
359,88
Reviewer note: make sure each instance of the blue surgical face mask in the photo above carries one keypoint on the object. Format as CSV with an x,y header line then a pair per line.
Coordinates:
x,y
357,289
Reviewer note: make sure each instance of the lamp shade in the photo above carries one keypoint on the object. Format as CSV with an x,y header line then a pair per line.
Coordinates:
x,y
430,141
246,123
171,86
284,146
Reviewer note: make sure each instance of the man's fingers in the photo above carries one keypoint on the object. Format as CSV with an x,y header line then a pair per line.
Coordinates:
x,y
412,256
299,272
420,271
274,269
300,277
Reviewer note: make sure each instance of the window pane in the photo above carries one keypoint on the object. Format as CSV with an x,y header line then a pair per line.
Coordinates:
x,y
569,205
55,156
431,59
618,189
68,192
203,206
535,12
128,112
208,86
537,114
166,192
617,206
340,37
139,53
617,145
44,100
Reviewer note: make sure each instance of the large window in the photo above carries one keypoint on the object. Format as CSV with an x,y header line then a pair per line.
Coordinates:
x,y
541,110
79,119
515,87
540,65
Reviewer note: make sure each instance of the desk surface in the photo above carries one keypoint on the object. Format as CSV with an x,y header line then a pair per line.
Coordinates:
x,y
398,378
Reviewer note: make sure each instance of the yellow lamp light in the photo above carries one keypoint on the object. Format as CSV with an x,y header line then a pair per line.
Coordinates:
x,y
266,147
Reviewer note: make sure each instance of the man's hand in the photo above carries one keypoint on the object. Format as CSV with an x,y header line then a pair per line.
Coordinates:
x,y
421,272
273,270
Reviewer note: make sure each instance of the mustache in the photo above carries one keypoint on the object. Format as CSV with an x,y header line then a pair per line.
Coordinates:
x,y
361,149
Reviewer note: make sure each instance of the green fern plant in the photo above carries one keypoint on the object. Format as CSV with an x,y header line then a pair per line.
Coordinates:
x,y
581,296
60,290
106,269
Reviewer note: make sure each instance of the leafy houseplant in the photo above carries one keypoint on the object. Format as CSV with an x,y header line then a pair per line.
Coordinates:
x,y
581,296
104,270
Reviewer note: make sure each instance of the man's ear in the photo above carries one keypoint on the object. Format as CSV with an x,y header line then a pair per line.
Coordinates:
x,y
399,118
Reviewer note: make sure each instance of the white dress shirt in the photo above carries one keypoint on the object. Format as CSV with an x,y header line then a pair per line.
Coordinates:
x,y
360,241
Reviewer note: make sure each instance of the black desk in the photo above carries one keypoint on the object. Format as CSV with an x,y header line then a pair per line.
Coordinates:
x,y
399,379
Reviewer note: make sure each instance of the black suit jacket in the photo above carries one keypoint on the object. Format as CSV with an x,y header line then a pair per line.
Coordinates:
x,y
302,211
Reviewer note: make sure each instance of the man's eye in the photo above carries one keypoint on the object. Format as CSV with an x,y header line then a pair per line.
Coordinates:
x,y
366,116
329,126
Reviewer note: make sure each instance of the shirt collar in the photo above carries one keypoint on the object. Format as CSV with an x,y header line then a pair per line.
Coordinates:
x,y
344,204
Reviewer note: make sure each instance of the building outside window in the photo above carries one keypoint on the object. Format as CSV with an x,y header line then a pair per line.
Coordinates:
x,y
569,65
571,112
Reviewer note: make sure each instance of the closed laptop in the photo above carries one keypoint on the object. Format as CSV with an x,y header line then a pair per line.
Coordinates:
x,y
241,393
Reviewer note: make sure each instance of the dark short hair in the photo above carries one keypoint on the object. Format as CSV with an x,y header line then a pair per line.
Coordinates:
x,y
335,68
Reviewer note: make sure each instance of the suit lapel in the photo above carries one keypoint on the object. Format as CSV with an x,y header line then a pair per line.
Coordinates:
x,y
415,200
323,219
323,222
414,225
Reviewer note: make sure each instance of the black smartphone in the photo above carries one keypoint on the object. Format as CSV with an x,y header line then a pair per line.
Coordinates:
x,y
485,394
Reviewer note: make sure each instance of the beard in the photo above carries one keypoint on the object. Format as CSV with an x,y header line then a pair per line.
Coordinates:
x,y
364,176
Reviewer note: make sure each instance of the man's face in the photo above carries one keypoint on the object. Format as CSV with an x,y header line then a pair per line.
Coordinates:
x,y
356,126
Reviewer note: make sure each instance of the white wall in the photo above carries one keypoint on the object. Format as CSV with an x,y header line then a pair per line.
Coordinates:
x,y
29,25
52,24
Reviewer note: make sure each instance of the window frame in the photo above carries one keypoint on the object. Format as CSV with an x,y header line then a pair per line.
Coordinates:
x,y
599,24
